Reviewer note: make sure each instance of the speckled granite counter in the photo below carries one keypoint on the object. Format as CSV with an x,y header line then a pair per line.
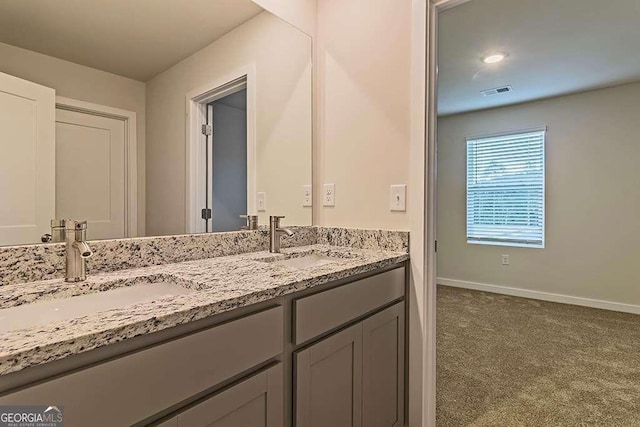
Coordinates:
x,y
220,284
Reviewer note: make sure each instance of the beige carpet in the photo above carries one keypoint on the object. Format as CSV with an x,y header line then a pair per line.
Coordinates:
x,y
507,361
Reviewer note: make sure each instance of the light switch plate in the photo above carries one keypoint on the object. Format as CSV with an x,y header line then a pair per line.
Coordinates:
x,y
307,196
261,201
398,198
329,195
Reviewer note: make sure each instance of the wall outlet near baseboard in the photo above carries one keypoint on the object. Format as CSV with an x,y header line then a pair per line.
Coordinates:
x,y
505,259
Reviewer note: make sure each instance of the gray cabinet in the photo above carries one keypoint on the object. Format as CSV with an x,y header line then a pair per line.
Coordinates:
x,y
333,356
328,381
383,368
254,402
147,382
354,378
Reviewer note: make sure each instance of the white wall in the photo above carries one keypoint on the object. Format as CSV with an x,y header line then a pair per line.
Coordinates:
x,y
282,58
86,84
363,100
592,198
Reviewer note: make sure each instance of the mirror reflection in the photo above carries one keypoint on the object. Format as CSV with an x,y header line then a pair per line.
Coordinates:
x,y
162,120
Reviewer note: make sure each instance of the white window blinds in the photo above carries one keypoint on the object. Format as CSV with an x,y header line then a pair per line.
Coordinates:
x,y
505,189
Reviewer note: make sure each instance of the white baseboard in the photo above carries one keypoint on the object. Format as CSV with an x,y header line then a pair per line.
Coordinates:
x,y
545,296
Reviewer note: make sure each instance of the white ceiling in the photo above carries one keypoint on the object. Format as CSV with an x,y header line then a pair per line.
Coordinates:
x,y
555,47
132,38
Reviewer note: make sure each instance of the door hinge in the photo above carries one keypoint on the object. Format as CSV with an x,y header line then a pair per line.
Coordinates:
x,y
436,246
206,213
207,130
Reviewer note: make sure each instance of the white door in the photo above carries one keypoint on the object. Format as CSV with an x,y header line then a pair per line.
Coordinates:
x,y
91,172
27,160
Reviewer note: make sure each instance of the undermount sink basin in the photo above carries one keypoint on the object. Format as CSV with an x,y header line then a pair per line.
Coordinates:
x,y
313,260
42,313
302,260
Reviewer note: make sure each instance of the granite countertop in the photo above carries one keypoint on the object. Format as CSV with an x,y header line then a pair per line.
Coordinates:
x,y
218,285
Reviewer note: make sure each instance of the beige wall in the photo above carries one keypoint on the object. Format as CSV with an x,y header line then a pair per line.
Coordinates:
x,y
369,133
282,58
299,13
86,84
592,198
363,110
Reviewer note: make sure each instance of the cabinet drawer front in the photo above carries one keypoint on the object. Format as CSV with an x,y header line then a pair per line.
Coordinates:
x,y
142,384
324,311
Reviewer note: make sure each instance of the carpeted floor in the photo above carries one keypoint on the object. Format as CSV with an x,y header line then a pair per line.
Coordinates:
x,y
508,361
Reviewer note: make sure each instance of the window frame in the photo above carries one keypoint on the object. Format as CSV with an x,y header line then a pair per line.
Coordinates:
x,y
497,242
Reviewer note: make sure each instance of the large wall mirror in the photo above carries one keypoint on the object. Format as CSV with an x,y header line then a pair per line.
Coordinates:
x,y
151,117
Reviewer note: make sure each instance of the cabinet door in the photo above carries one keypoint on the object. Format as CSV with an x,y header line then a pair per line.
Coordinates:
x,y
329,381
255,402
383,368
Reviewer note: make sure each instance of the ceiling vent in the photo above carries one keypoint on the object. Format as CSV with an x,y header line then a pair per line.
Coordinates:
x,y
496,91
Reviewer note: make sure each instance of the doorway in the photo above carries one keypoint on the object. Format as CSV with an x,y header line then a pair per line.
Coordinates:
x,y
221,144
226,176
537,212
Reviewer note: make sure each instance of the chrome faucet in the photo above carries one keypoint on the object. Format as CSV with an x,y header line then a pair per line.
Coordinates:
x,y
252,222
275,232
77,250
57,234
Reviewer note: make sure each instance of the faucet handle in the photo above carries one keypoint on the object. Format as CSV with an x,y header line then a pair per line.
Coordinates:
x,y
252,222
72,224
275,219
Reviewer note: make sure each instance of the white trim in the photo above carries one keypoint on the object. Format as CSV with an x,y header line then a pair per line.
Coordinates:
x,y
430,209
196,102
539,295
508,133
131,148
430,291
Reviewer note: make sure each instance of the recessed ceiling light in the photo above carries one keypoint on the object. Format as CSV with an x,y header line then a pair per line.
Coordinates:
x,y
494,57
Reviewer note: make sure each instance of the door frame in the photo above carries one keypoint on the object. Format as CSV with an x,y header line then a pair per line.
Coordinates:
x,y
435,7
131,152
196,112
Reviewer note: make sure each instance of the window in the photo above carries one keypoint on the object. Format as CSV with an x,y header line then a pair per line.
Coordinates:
x,y
505,189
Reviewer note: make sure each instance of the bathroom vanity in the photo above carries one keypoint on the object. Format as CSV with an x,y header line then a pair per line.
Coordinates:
x,y
312,336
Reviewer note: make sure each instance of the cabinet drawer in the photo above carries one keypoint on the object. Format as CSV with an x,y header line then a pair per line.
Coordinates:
x,y
141,384
324,311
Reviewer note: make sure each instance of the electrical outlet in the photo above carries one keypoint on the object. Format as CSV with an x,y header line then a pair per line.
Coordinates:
x,y
261,201
398,198
329,195
307,196
505,259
